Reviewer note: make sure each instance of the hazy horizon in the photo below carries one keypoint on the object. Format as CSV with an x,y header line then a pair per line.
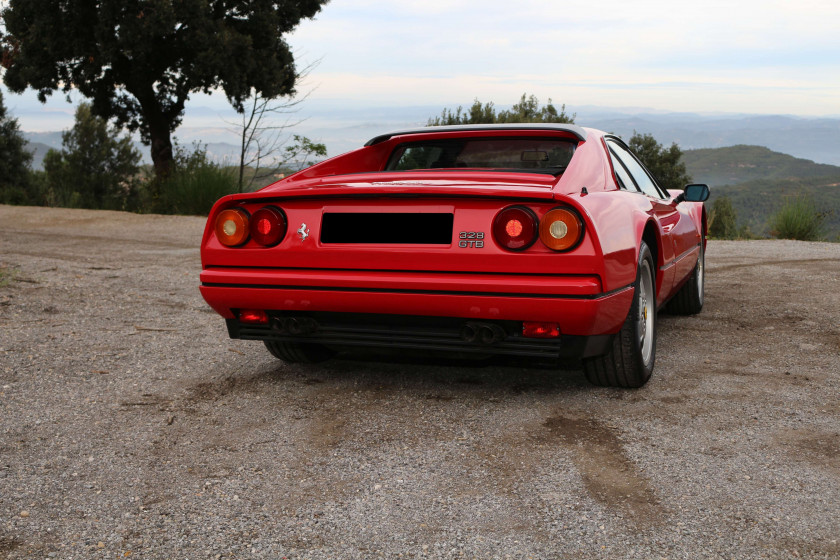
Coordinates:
x,y
376,65
347,125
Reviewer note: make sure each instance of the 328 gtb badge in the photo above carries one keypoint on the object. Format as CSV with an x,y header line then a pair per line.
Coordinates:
x,y
471,239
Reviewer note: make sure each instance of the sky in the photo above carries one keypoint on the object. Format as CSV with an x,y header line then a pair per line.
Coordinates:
x,y
745,56
700,56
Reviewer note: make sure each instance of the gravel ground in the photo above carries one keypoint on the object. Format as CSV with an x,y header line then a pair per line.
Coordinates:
x,y
132,426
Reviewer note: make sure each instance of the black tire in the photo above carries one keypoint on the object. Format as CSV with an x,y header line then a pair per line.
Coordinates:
x,y
629,362
299,352
689,300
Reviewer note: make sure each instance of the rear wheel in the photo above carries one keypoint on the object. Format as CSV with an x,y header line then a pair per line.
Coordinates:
x,y
689,300
630,359
299,352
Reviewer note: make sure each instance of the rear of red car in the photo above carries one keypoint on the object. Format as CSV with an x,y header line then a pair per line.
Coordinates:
x,y
359,252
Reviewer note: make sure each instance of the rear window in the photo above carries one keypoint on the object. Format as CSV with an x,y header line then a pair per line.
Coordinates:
x,y
532,155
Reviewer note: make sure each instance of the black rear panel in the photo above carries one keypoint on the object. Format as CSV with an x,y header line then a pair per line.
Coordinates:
x,y
394,228
344,331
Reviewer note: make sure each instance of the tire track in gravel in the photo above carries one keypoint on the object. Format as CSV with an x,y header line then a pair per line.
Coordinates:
x,y
756,264
607,472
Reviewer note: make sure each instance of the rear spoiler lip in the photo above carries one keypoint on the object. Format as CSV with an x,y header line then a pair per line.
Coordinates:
x,y
577,131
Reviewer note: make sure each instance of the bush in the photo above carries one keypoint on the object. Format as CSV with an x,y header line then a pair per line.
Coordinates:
x,y
96,167
798,219
722,219
195,184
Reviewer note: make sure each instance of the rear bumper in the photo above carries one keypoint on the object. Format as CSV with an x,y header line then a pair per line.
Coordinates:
x,y
575,302
439,335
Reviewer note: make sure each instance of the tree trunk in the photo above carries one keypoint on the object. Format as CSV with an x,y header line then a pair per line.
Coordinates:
x,y
159,130
161,148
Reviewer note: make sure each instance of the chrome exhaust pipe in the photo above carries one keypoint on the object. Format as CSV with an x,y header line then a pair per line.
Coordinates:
x,y
470,332
487,334
491,334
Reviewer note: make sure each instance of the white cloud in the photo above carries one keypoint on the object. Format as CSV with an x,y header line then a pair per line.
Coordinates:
x,y
722,52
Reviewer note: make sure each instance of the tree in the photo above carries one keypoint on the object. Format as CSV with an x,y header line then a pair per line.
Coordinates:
x,y
302,152
723,219
14,160
264,141
139,60
663,163
95,168
528,110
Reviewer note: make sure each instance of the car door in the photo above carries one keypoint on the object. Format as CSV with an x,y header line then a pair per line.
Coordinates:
x,y
675,226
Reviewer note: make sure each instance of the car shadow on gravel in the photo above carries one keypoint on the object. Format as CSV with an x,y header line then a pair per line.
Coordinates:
x,y
504,376
486,375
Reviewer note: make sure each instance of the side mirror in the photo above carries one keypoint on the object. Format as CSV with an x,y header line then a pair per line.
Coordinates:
x,y
693,193
696,193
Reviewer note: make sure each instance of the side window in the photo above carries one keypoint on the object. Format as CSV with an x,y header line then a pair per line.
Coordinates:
x,y
625,181
638,172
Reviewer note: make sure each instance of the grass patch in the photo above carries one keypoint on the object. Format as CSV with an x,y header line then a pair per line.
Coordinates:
x,y
7,275
195,185
799,219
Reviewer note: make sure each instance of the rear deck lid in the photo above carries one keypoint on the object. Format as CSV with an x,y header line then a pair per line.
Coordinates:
x,y
426,183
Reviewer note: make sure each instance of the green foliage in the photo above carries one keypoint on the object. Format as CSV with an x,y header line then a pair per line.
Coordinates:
x,y
799,219
723,219
303,151
194,185
664,163
14,161
527,110
756,201
138,61
738,164
7,275
96,168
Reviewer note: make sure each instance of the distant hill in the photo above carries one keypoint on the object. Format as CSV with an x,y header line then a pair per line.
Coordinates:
x,y
38,151
817,139
756,201
738,164
759,181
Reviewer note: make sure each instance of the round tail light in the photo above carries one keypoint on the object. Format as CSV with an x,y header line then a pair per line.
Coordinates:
x,y
561,229
232,227
515,228
268,226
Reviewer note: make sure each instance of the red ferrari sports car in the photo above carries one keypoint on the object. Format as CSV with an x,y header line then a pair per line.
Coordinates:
x,y
546,241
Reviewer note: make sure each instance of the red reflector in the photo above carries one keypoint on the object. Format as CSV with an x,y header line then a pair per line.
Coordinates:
x,y
268,226
536,329
264,226
253,316
514,228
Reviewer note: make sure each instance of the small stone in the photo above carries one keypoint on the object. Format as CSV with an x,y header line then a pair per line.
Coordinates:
x,y
24,513
100,544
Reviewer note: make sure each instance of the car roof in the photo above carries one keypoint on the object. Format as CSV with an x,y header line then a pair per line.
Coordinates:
x,y
579,132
